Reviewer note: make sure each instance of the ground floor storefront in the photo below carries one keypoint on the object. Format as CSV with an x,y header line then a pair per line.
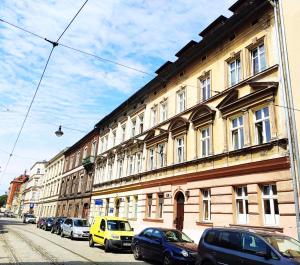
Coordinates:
x,y
247,195
77,207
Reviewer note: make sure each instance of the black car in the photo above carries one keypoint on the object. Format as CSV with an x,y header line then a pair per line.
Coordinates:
x,y
56,227
47,224
243,246
169,246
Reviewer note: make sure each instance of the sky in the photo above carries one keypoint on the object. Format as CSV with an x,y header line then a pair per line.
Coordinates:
x,y
78,90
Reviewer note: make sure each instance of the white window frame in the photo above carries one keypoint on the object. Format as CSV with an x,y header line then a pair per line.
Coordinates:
x,y
114,137
151,158
261,56
161,155
163,111
234,71
264,120
131,165
120,168
181,101
94,149
133,127
77,159
205,88
123,132
180,149
205,141
110,171
272,218
206,198
138,162
141,123
242,218
153,116
106,142
237,143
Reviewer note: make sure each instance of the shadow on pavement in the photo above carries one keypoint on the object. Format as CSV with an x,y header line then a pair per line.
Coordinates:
x,y
81,263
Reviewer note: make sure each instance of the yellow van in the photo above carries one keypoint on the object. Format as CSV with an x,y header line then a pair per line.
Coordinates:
x,y
111,232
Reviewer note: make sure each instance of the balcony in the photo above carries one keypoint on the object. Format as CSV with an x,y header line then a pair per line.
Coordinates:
x,y
88,162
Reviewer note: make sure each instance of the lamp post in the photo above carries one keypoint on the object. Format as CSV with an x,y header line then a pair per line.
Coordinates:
x,y
59,132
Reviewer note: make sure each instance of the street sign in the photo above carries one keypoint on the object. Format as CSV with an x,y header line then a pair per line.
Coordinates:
x,y
111,210
99,202
31,205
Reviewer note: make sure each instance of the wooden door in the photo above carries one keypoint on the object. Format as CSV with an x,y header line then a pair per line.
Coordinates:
x,y
179,211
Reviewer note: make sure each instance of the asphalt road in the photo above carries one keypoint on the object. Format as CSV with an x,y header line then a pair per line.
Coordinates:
x,y
24,244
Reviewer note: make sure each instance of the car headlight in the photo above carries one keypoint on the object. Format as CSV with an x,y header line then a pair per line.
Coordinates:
x,y
115,236
184,253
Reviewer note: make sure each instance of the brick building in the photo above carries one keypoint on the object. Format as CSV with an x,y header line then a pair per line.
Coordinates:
x,y
14,188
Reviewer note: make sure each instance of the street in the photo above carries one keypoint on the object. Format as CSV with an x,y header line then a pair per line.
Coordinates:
x,y
25,244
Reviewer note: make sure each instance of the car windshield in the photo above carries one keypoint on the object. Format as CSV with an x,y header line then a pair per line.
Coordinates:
x,y
286,245
116,225
50,220
176,236
80,222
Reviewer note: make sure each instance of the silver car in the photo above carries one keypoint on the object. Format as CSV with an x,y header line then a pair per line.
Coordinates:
x,y
75,228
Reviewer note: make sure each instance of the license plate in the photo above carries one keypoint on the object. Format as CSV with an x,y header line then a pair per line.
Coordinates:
x,y
125,244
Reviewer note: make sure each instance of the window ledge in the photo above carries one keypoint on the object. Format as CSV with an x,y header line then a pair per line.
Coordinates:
x,y
154,220
204,223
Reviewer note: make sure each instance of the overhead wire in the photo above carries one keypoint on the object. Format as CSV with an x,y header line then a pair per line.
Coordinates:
x,y
54,44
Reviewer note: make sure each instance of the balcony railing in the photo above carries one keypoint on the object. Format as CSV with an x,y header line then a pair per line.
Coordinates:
x,y
88,161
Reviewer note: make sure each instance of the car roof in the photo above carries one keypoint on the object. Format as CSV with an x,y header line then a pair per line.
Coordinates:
x,y
162,229
255,230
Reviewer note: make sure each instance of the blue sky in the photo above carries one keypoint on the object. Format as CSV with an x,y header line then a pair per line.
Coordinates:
x,y
78,90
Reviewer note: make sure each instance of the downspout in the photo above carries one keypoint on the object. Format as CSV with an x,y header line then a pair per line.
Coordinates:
x,y
289,106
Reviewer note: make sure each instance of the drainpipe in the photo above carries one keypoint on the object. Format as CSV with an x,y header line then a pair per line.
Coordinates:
x,y
285,81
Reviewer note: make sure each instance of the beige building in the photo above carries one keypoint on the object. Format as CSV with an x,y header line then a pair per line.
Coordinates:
x,y
205,143
51,185
32,191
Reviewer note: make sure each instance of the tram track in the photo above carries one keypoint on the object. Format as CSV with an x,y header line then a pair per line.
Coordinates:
x,y
13,259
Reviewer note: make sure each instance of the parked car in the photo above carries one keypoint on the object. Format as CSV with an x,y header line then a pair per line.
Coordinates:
x,y
111,232
9,214
75,228
40,222
169,246
243,246
47,224
29,218
56,227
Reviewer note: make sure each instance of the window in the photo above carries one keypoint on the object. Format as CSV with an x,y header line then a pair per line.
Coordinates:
x,y
110,169
135,206
270,204
253,245
149,205
160,205
102,145
230,240
161,155
123,132
234,71
77,159
258,57
205,89
163,111
114,136
206,205
38,171
71,162
133,127
153,116
106,142
237,132
120,168
85,152
139,162
141,125
180,101
242,205
93,149
151,159
127,206
262,126
205,142
180,150
131,165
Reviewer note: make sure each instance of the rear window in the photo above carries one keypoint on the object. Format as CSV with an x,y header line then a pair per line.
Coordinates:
x,y
224,239
212,237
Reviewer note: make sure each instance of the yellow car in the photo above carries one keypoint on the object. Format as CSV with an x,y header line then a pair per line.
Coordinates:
x,y
111,232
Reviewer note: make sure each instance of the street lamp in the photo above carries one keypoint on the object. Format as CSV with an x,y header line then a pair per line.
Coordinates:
x,y
59,132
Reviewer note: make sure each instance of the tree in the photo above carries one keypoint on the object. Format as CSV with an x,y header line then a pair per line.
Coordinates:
x,y
3,199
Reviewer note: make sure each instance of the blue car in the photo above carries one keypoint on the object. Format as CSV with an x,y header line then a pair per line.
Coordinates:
x,y
169,246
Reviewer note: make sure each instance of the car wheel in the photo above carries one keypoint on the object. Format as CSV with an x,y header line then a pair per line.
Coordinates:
x,y
167,260
91,241
71,236
106,246
137,252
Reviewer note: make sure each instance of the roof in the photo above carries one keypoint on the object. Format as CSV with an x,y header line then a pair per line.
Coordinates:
x,y
213,26
61,153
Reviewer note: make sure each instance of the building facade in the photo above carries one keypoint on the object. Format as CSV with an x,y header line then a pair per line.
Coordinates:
x,y
34,185
204,143
51,185
76,185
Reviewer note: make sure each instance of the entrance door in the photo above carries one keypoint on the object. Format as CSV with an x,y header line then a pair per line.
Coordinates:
x,y
117,207
179,211
85,210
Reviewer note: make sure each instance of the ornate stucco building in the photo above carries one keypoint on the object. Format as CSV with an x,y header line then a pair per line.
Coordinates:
x,y
51,185
78,173
204,143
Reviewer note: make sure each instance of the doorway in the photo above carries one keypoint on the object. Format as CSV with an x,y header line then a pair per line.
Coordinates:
x,y
179,211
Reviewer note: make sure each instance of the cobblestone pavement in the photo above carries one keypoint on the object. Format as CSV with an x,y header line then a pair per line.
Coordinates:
x,y
24,244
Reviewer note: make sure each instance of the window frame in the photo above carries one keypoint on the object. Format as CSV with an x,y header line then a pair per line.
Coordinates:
x,y
245,203
208,200
206,141
262,120
260,67
163,113
181,147
239,129
153,115
205,85
237,70
181,102
272,198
